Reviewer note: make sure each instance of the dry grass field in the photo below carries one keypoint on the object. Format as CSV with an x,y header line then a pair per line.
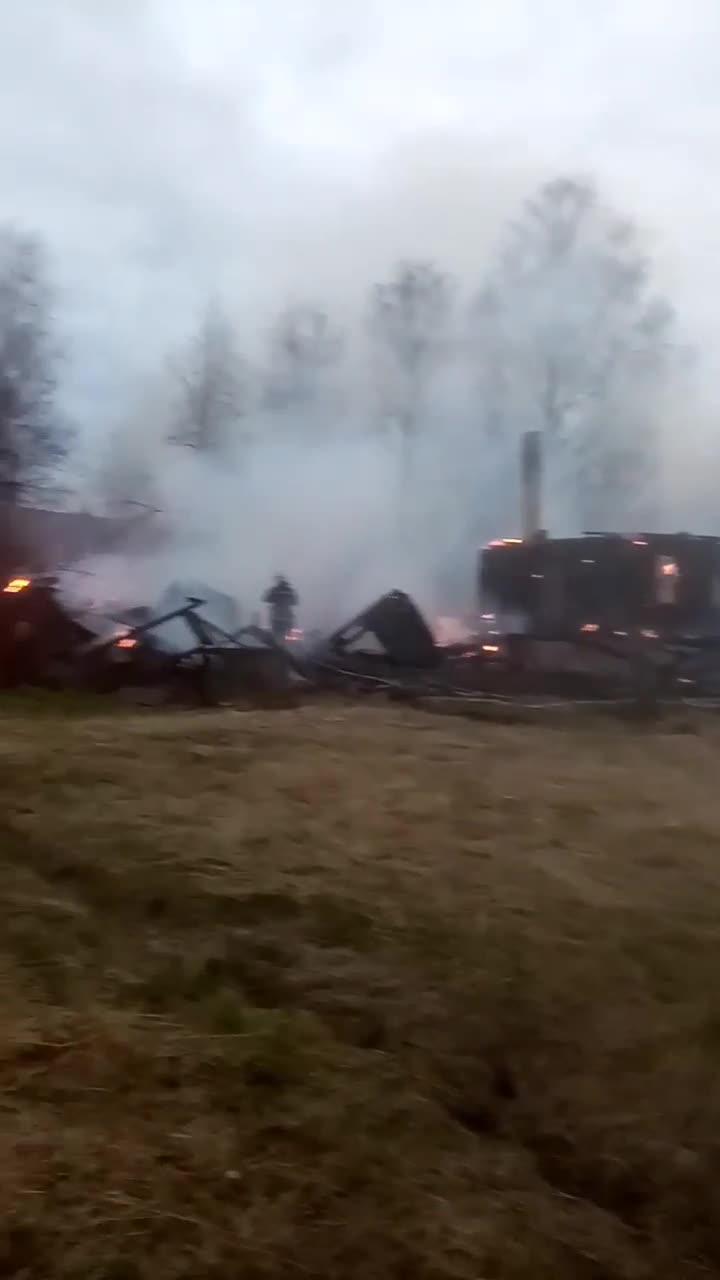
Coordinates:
x,y
357,993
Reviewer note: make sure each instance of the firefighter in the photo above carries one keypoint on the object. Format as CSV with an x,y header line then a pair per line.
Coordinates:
x,y
281,600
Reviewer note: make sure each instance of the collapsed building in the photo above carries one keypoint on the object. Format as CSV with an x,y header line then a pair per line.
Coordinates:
x,y
595,615
36,540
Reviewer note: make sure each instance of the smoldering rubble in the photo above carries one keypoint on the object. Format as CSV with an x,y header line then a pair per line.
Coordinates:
x,y
190,646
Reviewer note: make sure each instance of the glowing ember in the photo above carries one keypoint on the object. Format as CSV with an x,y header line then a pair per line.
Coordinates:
x,y
491,648
126,642
15,585
590,627
667,580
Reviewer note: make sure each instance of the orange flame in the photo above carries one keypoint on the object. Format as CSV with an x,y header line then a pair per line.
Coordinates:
x,y
15,585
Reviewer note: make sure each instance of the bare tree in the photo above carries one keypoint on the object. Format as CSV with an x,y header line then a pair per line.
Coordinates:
x,y
408,320
32,436
212,380
305,346
571,340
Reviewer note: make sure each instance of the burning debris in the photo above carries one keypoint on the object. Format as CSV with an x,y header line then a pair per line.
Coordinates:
x,y
191,644
602,616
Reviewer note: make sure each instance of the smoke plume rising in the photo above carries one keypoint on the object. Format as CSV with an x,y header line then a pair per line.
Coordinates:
x,y
173,151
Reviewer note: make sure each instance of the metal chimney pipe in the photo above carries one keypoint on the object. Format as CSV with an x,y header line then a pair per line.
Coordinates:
x,y
531,468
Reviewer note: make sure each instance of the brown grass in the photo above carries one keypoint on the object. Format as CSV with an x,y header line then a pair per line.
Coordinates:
x,y
357,993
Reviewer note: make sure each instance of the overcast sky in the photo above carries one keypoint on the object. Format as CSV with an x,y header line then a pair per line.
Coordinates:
x,y
269,150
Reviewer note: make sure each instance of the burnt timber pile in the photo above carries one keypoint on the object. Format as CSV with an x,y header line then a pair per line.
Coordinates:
x,y
629,619
187,646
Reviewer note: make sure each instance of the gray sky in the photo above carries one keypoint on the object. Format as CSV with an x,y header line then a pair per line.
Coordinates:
x,y
166,148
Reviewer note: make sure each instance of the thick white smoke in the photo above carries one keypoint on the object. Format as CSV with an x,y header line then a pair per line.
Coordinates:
x,y
336,509
340,518
342,509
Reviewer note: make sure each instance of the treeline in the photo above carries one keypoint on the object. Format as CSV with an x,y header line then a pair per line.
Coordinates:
x,y
563,333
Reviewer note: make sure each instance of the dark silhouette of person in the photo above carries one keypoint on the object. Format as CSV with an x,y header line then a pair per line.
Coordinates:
x,y
282,601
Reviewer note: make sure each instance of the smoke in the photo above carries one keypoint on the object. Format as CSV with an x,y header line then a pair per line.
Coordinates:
x,y
308,154
339,517
319,493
